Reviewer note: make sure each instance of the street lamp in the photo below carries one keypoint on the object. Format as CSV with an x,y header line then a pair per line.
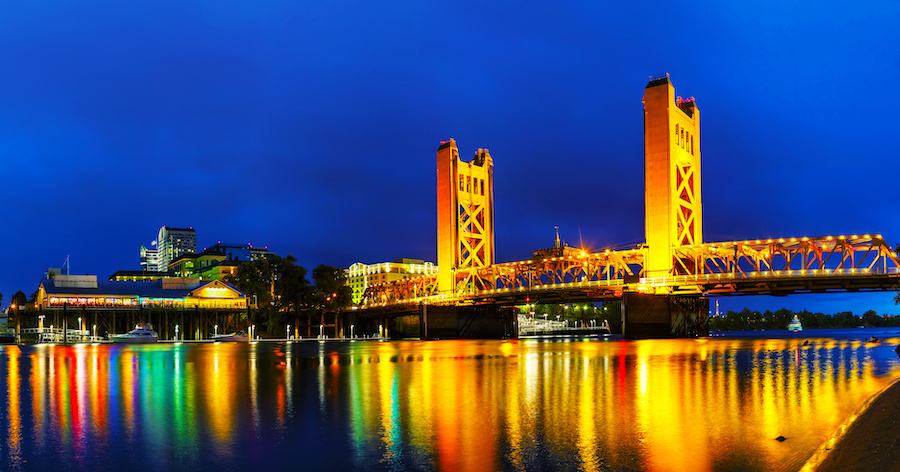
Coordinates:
x,y
95,332
176,332
216,330
287,332
351,331
252,330
80,329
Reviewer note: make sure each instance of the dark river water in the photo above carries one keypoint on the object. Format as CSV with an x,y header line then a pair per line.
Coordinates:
x,y
593,403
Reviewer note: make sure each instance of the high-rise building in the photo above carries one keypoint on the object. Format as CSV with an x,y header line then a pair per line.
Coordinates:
x,y
173,242
149,259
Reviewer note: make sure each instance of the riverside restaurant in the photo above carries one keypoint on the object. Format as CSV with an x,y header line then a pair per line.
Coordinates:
x,y
73,308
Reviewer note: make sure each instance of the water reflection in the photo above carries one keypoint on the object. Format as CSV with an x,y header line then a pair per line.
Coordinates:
x,y
709,404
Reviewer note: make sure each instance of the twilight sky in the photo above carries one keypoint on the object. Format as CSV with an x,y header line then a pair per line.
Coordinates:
x,y
311,127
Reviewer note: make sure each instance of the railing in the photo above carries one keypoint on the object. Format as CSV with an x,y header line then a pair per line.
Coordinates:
x,y
815,258
57,335
660,281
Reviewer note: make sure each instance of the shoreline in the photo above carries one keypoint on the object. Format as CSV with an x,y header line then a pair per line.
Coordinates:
x,y
869,440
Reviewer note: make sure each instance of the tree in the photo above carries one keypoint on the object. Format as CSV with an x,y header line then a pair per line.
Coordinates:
x,y
331,291
20,299
871,319
277,285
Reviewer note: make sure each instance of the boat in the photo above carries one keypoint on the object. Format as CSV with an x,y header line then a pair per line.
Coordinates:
x,y
795,325
237,337
141,334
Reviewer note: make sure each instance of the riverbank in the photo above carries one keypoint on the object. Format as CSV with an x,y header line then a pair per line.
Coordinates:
x,y
868,441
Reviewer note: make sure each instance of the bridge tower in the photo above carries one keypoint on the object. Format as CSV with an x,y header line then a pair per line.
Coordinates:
x,y
672,212
672,216
465,216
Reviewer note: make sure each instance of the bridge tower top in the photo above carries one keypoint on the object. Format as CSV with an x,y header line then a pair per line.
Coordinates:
x,y
672,212
465,214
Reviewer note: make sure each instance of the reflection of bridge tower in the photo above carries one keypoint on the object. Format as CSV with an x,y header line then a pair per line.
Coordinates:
x,y
673,214
465,215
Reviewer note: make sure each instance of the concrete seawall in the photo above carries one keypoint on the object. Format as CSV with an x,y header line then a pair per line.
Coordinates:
x,y
868,441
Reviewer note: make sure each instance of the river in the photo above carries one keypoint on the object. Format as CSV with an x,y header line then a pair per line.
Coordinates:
x,y
592,403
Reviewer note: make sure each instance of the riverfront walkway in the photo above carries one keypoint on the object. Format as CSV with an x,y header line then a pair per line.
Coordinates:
x,y
870,440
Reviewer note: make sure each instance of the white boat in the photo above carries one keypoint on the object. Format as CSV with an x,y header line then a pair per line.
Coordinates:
x,y
237,337
142,333
795,325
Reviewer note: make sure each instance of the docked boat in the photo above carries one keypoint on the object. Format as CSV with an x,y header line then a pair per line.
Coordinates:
x,y
795,325
237,337
141,334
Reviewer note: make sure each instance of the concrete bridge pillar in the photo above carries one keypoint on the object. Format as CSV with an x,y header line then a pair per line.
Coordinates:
x,y
664,316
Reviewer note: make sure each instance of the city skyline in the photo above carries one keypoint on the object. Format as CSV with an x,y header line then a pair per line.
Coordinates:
x,y
313,130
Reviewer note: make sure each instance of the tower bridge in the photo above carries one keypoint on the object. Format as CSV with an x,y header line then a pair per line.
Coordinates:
x,y
664,284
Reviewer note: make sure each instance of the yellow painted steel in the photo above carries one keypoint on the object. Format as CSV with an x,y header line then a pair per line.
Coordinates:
x,y
673,215
465,213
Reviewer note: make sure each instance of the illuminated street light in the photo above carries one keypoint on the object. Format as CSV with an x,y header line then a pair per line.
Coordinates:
x,y
287,332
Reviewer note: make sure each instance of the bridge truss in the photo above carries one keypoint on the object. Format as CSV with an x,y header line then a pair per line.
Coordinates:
x,y
772,266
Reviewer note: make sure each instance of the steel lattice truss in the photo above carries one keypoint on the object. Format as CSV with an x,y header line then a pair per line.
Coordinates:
x,y
785,265
776,266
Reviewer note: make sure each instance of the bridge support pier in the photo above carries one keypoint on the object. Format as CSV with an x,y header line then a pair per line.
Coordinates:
x,y
467,322
664,316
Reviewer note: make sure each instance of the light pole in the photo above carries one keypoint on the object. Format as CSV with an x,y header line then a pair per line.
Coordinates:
x,y
176,332
80,329
351,331
95,333
252,331
216,330
287,332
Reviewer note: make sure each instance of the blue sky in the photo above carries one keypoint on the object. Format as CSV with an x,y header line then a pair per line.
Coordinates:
x,y
311,127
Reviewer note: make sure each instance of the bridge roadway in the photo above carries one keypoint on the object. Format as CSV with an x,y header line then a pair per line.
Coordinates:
x,y
759,267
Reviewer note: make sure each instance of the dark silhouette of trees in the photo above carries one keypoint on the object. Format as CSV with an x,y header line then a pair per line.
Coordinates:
x,y
331,292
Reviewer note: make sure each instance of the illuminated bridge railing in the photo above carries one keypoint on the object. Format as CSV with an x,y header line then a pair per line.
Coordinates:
x,y
786,265
596,275
834,255
668,281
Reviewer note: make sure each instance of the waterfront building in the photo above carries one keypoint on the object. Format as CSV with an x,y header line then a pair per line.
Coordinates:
x,y
77,291
360,276
137,276
194,306
172,243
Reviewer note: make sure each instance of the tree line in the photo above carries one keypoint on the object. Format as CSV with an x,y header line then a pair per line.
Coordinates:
x,y
752,320
279,289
